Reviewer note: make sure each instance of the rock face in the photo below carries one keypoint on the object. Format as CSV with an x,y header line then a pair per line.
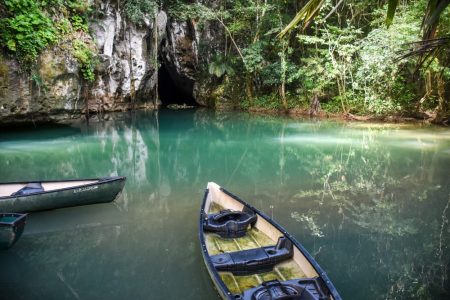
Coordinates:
x,y
15,89
129,57
53,91
126,66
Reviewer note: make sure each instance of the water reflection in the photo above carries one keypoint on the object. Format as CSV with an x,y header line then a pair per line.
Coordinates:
x,y
370,202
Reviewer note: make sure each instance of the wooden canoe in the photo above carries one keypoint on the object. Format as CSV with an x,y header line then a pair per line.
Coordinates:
x,y
251,257
11,228
45,195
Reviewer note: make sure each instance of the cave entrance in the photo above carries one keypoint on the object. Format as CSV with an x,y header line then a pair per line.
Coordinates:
x,y
172,89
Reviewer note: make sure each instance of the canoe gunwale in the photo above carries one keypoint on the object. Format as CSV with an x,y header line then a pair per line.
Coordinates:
x,y
223,289
99,181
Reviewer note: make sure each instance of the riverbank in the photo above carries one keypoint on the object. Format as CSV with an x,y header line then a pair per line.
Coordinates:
x,y
303,113
34,120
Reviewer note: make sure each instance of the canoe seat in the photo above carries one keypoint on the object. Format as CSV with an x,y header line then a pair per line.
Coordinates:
x,y
230,223
297,289
30,188
255,260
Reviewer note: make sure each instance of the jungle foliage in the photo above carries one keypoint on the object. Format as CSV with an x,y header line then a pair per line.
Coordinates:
x,y
137,11
342,53
348,57
30,26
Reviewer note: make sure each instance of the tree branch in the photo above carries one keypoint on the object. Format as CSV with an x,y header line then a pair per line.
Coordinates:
x,y
232,39
333,10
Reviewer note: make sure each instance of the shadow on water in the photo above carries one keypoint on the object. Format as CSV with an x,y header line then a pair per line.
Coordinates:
x,y
372,209
74,218
37,131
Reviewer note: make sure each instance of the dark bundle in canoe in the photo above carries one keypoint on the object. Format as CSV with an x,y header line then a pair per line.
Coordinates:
x,y
251,257
11,228
44,195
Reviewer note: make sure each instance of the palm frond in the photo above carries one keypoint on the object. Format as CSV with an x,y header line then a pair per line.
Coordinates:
x,y
424,49
305,15
430,46
431,18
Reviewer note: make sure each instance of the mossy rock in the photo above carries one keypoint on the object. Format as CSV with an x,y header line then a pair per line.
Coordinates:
x,y
4,68
51,66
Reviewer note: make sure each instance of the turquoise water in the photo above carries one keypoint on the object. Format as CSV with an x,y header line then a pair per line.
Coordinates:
x,y
369,201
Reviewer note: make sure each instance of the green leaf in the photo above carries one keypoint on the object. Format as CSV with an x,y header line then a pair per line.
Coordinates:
x,y
218,72
11,45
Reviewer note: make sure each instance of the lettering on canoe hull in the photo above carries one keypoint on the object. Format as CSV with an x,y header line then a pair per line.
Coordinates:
x,y
85,189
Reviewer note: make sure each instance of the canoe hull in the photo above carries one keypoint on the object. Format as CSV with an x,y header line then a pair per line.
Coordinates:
x,y
11,232
99,192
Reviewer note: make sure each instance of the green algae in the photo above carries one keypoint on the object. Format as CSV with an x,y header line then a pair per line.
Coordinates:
x,y
262,239
290,270
253,239
269,276
238,284
215,208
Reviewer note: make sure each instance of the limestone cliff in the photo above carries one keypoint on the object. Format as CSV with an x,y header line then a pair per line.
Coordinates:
x,y
129,58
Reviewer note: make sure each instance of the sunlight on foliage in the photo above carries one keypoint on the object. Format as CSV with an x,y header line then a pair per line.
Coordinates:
x,y
27,31
137,11
86,57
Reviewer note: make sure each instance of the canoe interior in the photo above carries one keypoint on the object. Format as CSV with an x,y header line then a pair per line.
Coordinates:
x,y
12,219
10,188
262,234
7,219
254,239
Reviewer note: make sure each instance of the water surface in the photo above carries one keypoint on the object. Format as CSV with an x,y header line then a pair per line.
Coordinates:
x,y
369,201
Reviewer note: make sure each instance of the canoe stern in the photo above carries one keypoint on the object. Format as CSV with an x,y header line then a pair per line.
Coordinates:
x,y
11,228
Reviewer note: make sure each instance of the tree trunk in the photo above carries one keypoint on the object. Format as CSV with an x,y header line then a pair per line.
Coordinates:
x,y
341,94
249,87
314,107
442,113
283,96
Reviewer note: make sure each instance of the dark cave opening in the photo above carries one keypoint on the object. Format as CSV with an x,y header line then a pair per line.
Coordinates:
x,y
178,91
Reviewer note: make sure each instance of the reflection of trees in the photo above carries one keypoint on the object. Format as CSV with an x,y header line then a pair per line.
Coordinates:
x,y
387,202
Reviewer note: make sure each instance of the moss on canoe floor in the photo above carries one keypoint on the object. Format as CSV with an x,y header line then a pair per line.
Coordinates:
x,y
253,239
284,271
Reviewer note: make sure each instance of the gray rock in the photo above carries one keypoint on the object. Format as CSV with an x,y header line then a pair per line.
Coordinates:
x,y
126,73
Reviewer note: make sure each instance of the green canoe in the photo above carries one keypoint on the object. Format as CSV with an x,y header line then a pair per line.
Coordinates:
x,y
11,228
44,195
